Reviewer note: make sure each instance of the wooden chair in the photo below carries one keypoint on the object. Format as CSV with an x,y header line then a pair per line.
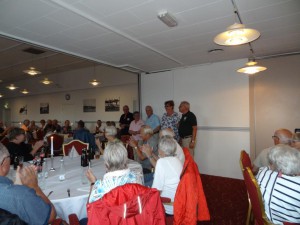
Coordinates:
x,y
58,141
77,144
245,162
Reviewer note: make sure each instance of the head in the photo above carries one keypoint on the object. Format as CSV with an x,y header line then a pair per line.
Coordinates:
x,y
80,124
108,123
99,123
42,122
169,106
110,131
125,109
166,147
285,159
49,122
4,160
296,141
112,123
146,132
26,122
149,110
32,123
16,135
166,132
136,116
184,107
282,136
67,123
115,156
55,122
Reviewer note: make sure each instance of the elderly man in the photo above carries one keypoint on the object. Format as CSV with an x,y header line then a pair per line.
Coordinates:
x,y
281,136
152,120
125,120
23,197
280,185
187,127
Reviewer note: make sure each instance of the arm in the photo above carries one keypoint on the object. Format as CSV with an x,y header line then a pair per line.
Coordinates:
x,y
194,135
92,178
157,129
98,143
36,147
148,151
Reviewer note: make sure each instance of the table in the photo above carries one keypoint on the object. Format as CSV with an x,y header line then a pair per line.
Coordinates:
x,y
79,192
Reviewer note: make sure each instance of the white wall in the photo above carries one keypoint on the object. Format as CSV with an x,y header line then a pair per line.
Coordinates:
x,y
62,109
220,99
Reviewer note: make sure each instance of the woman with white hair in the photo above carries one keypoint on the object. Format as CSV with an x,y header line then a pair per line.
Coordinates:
x,y
115,157
167,171
110,133
280,185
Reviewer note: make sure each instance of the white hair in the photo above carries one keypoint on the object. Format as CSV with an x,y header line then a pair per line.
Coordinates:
x,y
285,159
111,131
115,156
147,129
168,145
167,132
3,152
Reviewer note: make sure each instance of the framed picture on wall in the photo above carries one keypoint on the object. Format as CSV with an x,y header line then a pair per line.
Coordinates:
x,y
112,105
89,105
23,110
44,108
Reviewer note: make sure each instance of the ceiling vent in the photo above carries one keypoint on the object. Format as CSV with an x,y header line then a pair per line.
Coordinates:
x,y
34,51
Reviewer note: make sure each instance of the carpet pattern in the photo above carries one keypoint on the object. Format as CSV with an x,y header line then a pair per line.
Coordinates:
x,y
227,200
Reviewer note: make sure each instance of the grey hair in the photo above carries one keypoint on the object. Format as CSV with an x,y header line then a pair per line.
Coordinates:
x,y
167,132
14,132
110,131
284,135
168,145
147,129
3,152
115,156
186,104
285,159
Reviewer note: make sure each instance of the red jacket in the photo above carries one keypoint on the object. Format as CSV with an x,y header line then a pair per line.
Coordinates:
x,y
190,202
127,204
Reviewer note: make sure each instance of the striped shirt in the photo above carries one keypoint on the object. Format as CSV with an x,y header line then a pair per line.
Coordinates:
x,y
281,195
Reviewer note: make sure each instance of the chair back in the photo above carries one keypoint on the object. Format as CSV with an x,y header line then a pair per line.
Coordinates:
x,y
77,144
58,141
255,198
245,160
5,141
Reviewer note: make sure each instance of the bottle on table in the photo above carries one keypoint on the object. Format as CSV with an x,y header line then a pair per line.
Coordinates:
x,y
16,162
62,170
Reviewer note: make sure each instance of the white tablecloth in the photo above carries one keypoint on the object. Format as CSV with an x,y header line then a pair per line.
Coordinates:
x,y
76,203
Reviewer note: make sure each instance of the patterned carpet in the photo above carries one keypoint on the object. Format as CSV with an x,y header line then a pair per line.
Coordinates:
x,y
226,199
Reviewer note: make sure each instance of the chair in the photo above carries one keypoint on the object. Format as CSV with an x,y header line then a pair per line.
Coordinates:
x,y
245,162
255,198
127,204
58,141
77,144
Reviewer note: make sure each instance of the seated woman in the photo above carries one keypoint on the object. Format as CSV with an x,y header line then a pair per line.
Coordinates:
x,y
16,145
167,171
110,134
280,185
67,129
115,157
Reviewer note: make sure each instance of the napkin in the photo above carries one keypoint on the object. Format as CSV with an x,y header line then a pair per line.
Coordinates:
x,y
73,153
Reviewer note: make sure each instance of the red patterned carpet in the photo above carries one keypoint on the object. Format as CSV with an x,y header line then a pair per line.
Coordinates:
x,y
226,199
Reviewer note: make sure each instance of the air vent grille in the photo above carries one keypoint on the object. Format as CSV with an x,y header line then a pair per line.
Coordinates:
x,y
34,51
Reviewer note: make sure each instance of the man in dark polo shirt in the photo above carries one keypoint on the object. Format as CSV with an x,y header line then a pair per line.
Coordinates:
x,y
125,120
187,127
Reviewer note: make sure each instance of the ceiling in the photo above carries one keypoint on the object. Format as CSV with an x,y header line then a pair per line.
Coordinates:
x,y
128,34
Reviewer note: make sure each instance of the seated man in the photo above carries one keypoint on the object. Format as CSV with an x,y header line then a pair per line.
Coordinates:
x,y
84,135
281,136
17,147
23,197
280,185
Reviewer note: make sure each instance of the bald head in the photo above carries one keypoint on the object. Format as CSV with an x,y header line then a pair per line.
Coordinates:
x,y
282,136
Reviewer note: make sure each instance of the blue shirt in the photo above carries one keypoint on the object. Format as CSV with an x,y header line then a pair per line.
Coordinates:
x,y
23,201
85,136
153,121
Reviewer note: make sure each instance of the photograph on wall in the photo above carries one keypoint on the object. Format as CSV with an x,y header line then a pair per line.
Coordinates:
x,y
112,105
23,110
44,108
89,105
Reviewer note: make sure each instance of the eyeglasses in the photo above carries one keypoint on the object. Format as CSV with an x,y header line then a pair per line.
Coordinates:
x,y
6,157
273,137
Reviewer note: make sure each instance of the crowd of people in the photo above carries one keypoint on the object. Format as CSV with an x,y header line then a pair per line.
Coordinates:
x,y
157,146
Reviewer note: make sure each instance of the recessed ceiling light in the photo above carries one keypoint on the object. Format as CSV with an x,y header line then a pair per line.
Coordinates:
x,y
1,95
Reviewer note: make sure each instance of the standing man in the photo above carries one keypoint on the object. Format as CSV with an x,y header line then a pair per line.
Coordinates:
x,y
125,120
152,121
187,127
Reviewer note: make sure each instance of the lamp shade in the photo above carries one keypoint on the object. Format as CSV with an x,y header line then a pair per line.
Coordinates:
x,y
32,71
251,68
94,82
236,34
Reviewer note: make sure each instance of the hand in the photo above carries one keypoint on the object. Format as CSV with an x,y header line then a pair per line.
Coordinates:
x,y
133,143
192,144
39,144
28,177
18,176
147,149
91,176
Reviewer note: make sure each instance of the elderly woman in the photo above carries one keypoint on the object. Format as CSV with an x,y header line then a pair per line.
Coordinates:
x,y
115,157
167,171
280,185
170,119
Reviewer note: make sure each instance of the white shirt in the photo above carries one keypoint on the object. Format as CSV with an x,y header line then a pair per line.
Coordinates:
x,y
166,178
